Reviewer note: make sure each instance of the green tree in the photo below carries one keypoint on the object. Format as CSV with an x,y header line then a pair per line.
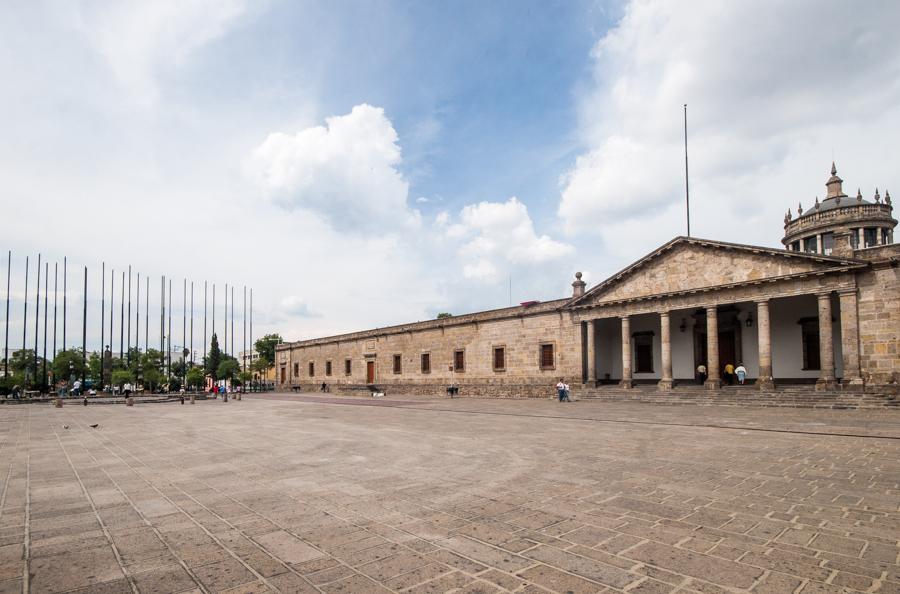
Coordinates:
x,y
444,315
121,377
228,368
66,364
94,364
265,346
213,359
152,378
195,378
179,368
245,377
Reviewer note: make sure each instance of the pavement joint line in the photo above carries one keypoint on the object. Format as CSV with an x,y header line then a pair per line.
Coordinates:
x,y
90,499
633,422
147,522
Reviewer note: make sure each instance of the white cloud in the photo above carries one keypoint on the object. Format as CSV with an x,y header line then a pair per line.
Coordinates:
x,y
293,306
346,172
142,41
774,90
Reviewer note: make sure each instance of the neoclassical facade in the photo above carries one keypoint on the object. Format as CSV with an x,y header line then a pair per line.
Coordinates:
x,y
823,312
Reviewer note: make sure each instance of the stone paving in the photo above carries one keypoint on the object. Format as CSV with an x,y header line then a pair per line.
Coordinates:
x,y
306,494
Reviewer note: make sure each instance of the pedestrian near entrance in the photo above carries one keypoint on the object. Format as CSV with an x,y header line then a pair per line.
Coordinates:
x,y
560,389
701,374
729,373
741,372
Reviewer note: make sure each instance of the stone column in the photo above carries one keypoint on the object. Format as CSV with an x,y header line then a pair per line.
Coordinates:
x,y
860,238
665,334
826,347
764,381
626,353
850,340
591,352
714,374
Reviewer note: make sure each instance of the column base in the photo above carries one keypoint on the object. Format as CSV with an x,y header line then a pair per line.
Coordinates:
x,y
626,384
665,385
826,383
713,384
855,384
765,383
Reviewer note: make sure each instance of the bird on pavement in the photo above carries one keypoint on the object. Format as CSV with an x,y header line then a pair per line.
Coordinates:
x,y
95,425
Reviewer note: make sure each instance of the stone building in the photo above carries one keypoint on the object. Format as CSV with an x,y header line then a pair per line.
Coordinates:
x,y
824,311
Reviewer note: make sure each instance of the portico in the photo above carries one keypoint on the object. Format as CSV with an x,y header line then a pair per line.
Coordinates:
x,y
762,305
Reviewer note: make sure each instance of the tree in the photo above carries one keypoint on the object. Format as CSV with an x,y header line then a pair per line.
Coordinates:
x,y
68,363
121,377
444,315
213,359
265,346
152,378
228,368
195,378
245,377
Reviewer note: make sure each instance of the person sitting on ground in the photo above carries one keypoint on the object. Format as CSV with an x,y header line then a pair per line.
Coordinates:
x,y
741,372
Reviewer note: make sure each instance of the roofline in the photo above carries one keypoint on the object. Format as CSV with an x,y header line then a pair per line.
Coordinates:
x,y
710,242
492,315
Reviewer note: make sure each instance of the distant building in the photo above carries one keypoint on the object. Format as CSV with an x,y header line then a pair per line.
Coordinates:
x,y
824,311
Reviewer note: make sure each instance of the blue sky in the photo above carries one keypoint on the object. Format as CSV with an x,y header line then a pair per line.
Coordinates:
x,y
368,163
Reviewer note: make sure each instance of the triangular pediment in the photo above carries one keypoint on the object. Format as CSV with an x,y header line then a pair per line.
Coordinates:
x,y
689,264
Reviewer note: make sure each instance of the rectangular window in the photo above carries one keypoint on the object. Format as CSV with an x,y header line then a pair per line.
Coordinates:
x,y
312,369
347,366
327,367
885,236
812,246
795,246
854,238
643,352
459,360
810,334
398,364
426,362
296,370
827,243
499,359
547,359
870,236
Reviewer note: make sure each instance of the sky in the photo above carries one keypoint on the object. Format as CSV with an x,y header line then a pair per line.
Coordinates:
x,y
362,164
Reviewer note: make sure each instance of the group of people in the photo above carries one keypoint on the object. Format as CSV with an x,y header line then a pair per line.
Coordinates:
x,y
562,391
729,373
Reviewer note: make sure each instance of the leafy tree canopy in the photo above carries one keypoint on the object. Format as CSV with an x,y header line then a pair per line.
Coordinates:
x,y
265,346
213,359
444,314
66,364
195,377
228,368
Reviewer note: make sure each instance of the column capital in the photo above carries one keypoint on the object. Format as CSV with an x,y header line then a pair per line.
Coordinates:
x,y
664,313
824,294
846,291
764,301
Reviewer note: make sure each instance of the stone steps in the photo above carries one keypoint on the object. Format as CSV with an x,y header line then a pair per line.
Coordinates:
x,y
792,397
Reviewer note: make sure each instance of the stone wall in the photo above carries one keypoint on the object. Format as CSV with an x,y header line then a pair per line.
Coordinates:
x,y
521,333
879,319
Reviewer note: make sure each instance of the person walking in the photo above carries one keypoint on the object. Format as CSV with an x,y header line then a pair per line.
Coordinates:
x,y
561,389
729,373
701,374
741,372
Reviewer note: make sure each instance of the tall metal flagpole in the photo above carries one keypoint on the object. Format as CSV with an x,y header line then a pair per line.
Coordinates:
x,y
112,309
169,350
687,189
162,319
251,324
192,323
214,310
147,317
225,344
232,320
55,292
184,322
25,319
137,316
46,302
37,316
128,344
84,336
102,325
244,333
122,321
204,322
65,297
6,328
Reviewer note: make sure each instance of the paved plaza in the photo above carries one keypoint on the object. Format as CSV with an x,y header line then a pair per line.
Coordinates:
x,y
287,493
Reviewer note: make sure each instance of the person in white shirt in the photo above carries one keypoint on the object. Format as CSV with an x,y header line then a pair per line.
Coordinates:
x,y
741,373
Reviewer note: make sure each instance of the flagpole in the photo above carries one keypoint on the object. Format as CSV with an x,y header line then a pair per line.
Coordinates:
x,y
687,191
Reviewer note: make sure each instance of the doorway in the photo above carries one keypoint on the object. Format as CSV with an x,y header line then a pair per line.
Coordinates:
x,y
370,372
